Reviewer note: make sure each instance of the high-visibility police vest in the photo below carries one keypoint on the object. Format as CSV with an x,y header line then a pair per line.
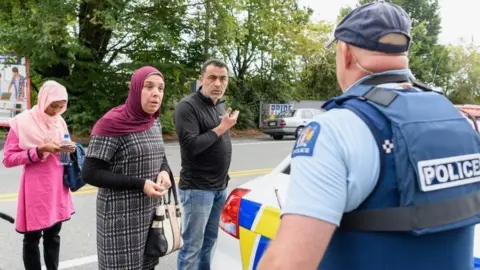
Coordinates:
x,y
422,212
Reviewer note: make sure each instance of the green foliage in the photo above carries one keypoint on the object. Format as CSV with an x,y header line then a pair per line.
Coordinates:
x,y
166,118
274,51
464,83
317,76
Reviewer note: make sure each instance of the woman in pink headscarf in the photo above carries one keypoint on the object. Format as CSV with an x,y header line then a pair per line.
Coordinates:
x,y
43,200
126,160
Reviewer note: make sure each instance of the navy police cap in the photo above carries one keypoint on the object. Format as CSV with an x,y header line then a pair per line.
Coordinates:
x,y
364,26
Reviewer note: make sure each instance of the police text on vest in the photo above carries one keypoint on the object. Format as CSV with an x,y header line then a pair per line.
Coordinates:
x,y
449,172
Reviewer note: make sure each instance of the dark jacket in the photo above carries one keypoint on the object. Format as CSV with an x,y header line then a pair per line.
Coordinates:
x,y
205,156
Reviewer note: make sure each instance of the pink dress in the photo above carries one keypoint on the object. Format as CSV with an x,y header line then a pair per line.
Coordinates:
x,y
43,199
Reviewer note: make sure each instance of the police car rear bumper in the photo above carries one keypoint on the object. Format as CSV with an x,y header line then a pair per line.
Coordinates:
x,y
227,253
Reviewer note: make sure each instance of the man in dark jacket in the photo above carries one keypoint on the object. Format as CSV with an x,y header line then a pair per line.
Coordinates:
x,y
202,125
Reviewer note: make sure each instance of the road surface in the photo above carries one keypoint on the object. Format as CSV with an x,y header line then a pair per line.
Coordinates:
x,y
251,158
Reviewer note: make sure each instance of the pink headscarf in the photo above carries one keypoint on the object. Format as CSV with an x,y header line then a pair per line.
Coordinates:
x,y
129,117
34,127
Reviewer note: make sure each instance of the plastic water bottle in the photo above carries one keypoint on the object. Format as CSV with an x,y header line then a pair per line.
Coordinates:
x,y
64,156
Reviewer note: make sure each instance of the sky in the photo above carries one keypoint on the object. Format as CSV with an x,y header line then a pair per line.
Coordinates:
x,y
463,22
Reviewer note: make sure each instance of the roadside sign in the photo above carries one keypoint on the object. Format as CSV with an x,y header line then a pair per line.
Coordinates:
x,y
14,86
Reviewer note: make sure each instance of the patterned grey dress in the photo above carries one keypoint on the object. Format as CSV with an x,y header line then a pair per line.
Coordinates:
x,y
124,216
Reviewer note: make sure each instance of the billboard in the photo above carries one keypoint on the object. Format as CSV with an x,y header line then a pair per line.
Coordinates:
x,y
278,108
14,86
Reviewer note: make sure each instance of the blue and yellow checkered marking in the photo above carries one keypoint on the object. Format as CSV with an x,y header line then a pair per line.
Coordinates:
x,y
261,247
254,238
248,212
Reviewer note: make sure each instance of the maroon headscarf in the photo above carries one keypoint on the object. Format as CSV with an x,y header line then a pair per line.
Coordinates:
x,y
129,117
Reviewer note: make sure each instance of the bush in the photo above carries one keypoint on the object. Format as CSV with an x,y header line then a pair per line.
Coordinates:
x,y
166,119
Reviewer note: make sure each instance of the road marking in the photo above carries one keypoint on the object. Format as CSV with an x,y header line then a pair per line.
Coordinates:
x,y
12,197
76,262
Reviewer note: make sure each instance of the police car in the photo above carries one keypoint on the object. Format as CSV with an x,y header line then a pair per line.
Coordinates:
x,y
251,216
249,219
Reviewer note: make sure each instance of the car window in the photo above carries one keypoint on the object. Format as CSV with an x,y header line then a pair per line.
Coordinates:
x,y
289,113
307,114
286,170
317,112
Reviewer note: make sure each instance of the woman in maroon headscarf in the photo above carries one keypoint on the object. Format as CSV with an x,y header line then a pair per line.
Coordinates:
x,y
126,160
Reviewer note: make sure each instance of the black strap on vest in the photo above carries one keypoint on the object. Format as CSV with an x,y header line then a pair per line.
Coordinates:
x,y
390,78
407,218
396,78
383,97
380,96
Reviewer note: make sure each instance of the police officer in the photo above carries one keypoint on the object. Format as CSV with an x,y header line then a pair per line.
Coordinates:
x,y
389,176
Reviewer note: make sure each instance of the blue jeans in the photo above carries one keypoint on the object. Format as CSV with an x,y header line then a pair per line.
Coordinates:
x,y
202,209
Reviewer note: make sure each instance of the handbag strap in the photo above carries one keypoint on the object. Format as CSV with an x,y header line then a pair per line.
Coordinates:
x,y
171,191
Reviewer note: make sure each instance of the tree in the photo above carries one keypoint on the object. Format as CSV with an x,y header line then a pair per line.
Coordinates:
x,y
260,52
80,42
274,52
316,71
464,85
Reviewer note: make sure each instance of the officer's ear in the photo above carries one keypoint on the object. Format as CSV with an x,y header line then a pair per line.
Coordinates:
x,y
345,53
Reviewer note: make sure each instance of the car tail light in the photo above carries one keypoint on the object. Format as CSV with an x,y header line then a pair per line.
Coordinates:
x,y
264,123
283,123
231,211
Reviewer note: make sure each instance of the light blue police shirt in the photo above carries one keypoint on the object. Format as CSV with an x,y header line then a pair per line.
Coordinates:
x,y
341,170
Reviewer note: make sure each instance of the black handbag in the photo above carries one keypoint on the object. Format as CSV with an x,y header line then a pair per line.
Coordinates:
x,y
165,234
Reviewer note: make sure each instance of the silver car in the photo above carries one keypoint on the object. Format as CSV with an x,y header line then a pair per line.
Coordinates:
x,y
289,122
